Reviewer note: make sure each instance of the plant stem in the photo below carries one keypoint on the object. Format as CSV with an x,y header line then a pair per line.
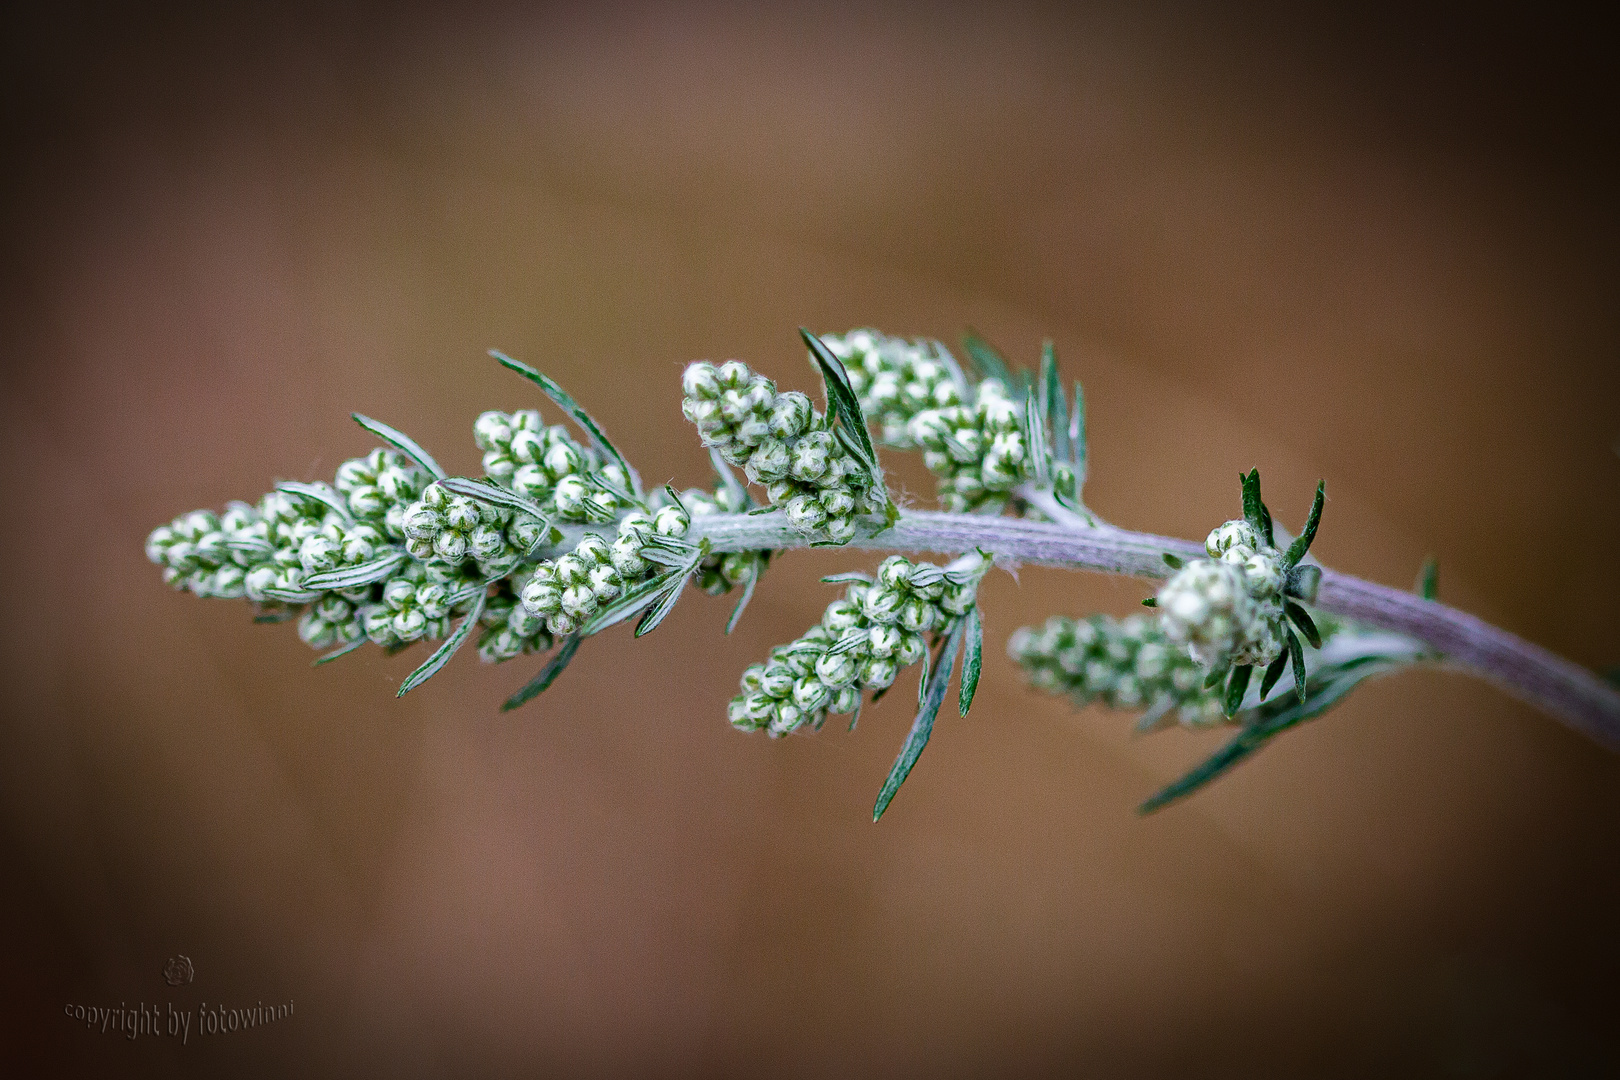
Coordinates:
x,y
1565,690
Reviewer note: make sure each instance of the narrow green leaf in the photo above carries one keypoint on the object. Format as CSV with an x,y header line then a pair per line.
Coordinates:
x,y
972,659
922,678
1296,657
568,405
1269,532
352,577
1253,508
923,726
1077,436
252,546
856,715
1302,619
1272,718
443,653
487,492
1037,445
1274,671
843,402
1300,546
320,493
1236,687
666,603
548,674
1151,601
1054,406
633,601
1174,562
747,595
943,355
849,575
758,510
676,500
1217,675
849,641
1428,581
293,596
401,442
341,650
986,359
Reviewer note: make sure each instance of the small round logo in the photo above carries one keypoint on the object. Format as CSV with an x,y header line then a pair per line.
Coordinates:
x,y
178,971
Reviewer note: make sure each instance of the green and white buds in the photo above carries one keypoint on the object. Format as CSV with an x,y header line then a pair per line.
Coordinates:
x,y
862,643
781,443
1125,663
1209,609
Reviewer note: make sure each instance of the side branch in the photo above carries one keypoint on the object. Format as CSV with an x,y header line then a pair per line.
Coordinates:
x,y
1571,693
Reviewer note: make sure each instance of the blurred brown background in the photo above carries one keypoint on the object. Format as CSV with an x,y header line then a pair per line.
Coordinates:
x,y
1375,247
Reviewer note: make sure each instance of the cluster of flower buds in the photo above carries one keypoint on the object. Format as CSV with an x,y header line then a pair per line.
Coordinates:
x,y
417,604
973,439
1227,609
783,444
263,552
862,643
895,380
379,487
511,630
568,590
977,450
546,466
443,527
1124,663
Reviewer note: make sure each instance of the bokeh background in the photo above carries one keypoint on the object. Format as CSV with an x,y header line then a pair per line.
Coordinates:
x,y
1373,246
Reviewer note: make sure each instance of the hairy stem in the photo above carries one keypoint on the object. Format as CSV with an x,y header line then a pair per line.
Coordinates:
x,y
1566,690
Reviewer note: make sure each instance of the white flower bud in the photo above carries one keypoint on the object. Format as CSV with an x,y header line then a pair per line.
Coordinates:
x,y
1205,606
570,495
840,530
605,584
790,415
578,601
563,460
810,693
804,513
670,521
846,699
1239,534
450,546
788,718
461,514
883,641
769,462
837,502
700,380
837,671
319,553
776,680
878,673
881,605
432,599
1263,574
957,599
733,375
409,625
423,523
919,616
542,598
